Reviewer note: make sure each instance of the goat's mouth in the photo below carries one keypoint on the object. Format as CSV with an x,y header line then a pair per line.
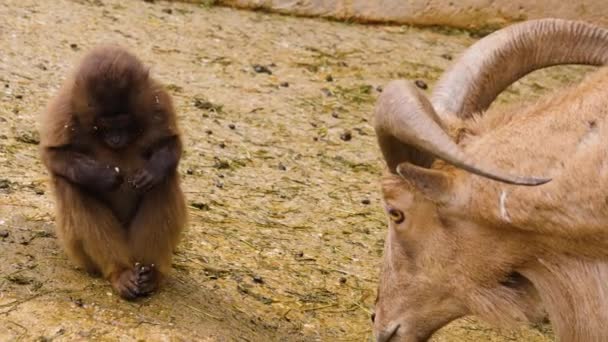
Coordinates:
x,y
388,334
401,333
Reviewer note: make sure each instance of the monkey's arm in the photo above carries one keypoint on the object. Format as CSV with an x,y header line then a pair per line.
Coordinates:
x,y
81,169
162,159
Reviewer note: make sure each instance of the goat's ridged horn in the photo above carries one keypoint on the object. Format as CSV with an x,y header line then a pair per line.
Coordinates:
x,y
406,124
493,63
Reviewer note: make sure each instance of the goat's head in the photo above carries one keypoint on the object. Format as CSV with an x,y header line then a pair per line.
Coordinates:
x,y
439,263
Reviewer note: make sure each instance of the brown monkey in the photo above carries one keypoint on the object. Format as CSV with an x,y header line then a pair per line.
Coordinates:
x,y
112,146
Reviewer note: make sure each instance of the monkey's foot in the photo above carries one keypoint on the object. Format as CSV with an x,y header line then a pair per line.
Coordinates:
x,y
148,278
126,284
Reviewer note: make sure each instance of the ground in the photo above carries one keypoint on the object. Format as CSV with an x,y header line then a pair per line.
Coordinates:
x,y
280,170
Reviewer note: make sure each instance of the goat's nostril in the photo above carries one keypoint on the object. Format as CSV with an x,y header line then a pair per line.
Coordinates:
x,y
373,317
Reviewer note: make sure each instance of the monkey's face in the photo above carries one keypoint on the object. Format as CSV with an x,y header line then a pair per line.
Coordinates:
x,y
117,131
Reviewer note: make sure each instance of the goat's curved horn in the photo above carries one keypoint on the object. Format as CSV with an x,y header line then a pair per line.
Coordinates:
x,y
406,125
493,63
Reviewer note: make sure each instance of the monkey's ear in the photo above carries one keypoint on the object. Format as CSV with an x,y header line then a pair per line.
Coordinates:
x,y
433,184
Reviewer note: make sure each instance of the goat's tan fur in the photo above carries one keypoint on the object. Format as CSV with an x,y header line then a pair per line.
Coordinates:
x,y
555,235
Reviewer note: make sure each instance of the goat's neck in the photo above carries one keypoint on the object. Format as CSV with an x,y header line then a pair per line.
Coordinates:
x,y
575,294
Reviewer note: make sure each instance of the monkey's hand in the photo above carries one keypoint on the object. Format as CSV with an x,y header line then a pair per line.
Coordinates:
x,y
162,161
93,175
148,278
145,179
126,283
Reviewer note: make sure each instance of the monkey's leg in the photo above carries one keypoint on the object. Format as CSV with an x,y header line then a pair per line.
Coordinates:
x,y
155,231
93,238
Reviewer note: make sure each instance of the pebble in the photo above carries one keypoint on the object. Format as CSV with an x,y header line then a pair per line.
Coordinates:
x,y
262,69
346,136
421,84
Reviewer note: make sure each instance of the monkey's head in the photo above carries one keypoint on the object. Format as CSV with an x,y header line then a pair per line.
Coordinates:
x,y
108,87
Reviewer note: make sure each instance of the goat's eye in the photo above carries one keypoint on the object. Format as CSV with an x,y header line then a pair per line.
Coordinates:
x,y
396,215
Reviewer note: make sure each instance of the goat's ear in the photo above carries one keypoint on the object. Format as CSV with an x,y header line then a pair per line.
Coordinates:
x,y
433,184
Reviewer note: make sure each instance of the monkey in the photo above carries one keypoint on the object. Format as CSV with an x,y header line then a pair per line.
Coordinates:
x,y
110,141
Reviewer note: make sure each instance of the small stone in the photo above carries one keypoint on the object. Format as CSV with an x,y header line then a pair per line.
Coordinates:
x,y
74,46
327,92
208,131
190,171
32,138
342,280
346,136
79,303
39,192
284,84
205,104
219,184
19,97
335,115
4,184
221,164
365,201
200,205
4,233
262,69
329,78
379,89
421,84
258,280
232,126
282,167
167,10
446,56
222,145
299,254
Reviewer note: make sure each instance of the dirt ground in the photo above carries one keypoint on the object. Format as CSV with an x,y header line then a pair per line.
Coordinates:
x,y
280,169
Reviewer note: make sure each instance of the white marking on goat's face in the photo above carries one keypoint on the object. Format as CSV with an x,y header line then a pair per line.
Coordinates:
x,y
503,206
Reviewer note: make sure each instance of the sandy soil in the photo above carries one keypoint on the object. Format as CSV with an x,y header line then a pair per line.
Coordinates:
x,y
280,170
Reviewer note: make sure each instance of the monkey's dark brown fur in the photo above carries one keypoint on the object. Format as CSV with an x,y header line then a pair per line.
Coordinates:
x,y
111,144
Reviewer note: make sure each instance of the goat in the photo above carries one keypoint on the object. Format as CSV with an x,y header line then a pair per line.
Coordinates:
x,y
465,236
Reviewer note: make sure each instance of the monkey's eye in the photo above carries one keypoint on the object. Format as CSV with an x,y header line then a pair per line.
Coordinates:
x,y
396,215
